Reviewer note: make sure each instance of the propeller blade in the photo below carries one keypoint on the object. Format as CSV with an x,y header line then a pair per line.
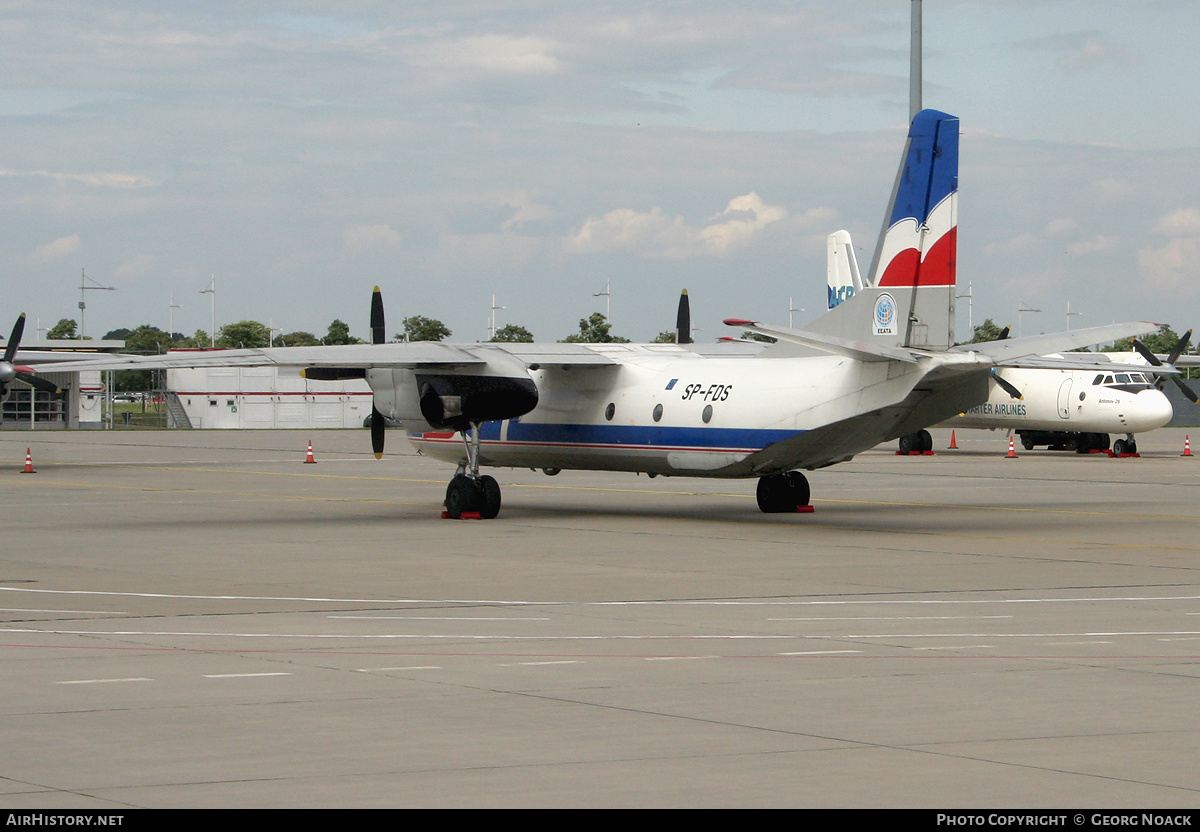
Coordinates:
x,y
377,428
1145,353
1003,336
683,320
14,340
378,330
1187,391
39,382
1006,386
1180,347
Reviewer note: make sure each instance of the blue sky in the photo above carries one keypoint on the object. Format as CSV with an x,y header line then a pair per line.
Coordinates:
x,y
304,152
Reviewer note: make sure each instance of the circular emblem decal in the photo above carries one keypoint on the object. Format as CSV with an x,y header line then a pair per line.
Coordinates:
x,y
885,315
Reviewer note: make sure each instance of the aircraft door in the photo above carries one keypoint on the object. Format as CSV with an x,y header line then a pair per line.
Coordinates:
x,y
1064,400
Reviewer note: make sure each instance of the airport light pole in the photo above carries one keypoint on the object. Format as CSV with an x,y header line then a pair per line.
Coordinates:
x,y
492,325
171,318
970,296
83,287
607,295
792,308
1070,315
212,290
1021,310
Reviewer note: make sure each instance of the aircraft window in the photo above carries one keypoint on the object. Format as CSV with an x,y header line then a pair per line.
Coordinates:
x,y
1098,379
1108,380
1138,377
707,414
657,412
1122,378
1082,396
610,411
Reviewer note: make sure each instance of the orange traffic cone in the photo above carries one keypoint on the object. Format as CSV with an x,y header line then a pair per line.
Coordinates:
x,y
1012,450
309,459
28,463
953,442
1187,446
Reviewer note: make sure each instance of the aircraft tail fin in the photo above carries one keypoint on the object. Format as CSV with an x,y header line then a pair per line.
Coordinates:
x,y
841,269
907,300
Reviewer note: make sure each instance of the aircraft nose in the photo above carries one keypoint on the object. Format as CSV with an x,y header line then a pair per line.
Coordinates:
x,y
1151,410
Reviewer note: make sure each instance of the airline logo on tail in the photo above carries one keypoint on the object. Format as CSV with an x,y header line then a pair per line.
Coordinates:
x,y
920,245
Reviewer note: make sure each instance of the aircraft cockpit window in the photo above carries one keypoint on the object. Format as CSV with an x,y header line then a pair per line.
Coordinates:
x,y
1098,379
1122,378
1108,380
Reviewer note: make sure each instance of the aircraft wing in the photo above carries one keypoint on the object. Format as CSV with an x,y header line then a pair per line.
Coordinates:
x,y
413,355
1009,352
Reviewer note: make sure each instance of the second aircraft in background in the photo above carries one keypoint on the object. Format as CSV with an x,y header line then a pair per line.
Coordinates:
x,y
1061,408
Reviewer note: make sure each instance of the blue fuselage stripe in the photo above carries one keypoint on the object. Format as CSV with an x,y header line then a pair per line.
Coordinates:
x,y
700,438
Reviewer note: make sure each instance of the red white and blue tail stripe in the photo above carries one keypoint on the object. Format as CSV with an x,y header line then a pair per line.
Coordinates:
x,y
919,245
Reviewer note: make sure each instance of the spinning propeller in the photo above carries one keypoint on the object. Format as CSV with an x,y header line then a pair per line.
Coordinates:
x,y
9,371
1150,357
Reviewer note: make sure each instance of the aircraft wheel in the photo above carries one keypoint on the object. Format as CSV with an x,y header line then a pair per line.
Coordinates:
x,y
1120,447
908,443
925,440
462,495
1131,446
781,493
799,487
773,493
489,497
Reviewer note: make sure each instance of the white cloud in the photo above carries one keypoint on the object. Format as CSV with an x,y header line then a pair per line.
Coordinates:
x,y
365,237
1184,222
55,250
1024,243
494,53
1175,266
653,234
137,267
107,179
526,211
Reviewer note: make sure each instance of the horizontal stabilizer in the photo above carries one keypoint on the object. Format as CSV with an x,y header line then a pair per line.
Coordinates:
x,y
857,350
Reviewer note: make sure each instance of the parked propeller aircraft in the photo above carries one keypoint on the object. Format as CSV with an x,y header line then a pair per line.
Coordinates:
x,y
1061,408
879,366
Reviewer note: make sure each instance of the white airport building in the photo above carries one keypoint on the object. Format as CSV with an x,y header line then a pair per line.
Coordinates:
x,y
263,397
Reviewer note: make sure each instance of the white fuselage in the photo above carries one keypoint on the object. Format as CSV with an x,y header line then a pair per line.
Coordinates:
x,y
671,411
1077,401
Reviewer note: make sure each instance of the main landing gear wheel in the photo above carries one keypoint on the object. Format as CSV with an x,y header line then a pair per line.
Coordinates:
x,y
462,496
780,493
468,492
489,497
916,443
465,495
